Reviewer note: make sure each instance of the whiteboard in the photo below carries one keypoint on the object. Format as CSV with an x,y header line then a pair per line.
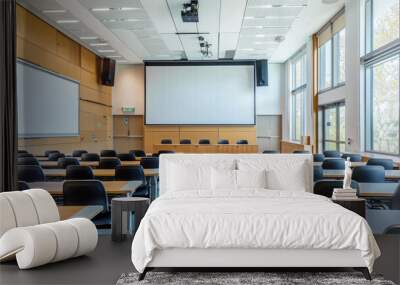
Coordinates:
x,y
48,104
216,94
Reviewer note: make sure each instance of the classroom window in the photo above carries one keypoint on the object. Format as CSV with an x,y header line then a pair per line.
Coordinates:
x,y
298,86
332,127
331,53
382,76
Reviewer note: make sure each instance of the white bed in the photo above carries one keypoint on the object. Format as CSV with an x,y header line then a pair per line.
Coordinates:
x,y
247,211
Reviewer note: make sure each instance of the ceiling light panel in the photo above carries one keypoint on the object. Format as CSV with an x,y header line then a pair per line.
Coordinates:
x,y
284,3
274,22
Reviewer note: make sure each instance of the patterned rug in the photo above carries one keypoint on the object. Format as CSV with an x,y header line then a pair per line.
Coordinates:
x,y
243,278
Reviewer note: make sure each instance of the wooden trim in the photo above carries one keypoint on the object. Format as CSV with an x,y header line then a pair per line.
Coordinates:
x,y
314,84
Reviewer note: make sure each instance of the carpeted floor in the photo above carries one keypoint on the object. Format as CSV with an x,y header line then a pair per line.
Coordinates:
x,y
243,278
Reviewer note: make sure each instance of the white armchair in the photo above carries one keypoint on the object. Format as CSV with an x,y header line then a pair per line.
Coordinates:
x,y
31,230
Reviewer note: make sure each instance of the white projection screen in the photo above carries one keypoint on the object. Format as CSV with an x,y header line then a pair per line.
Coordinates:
x,y
194,93
48,104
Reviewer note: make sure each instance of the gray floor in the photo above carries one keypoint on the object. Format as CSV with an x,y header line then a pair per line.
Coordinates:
x,y
110,260
103,266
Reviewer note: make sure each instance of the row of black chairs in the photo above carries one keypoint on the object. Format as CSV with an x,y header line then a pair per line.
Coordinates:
x,y
364,174
339,163
202,141
54,155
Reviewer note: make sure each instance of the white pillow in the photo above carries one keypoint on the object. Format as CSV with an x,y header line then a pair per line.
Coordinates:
x,y
251,178
223,179
185,178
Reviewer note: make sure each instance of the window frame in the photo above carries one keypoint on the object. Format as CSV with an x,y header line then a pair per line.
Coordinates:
x,y
368,60
323,108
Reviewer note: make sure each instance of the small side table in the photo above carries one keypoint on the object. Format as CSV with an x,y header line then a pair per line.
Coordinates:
x,y
120,207
355,205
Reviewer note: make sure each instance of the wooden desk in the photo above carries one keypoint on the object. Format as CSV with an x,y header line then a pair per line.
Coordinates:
x,y
379,220
88,212
377,190
207,148
93,164
339,174
98,172
113,188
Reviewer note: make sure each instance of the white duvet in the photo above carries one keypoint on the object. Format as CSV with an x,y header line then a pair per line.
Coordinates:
x,y
252,218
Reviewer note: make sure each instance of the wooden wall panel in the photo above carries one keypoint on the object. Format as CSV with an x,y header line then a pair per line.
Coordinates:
x,y
41,44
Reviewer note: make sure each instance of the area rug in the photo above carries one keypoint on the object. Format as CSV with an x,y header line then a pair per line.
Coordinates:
x,y
244,278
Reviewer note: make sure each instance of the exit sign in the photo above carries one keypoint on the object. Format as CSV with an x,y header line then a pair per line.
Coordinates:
x,y
128,109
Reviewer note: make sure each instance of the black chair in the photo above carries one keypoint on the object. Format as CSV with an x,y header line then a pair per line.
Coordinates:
x,y
109,163
27,161
90,157
301,151
149,162
47,152
30,173
22,185
55,156
242,142
354,157
25,154
76,172
325,187
223,141
392,230
369,174
185,141
126,156
318,173
204,141
318,157
79,152
63,162
166,141
332,153
22,151
270,151
134,172
88,192
138,153
333,163
108,153
386,163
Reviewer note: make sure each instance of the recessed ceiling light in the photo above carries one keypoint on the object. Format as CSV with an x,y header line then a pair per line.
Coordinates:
x,y
247,49
101,9
89,38
131,20
98,44
329,1
114,56
278,6
266,27
54,11
109,20
128,8
260,36
67,21
105,50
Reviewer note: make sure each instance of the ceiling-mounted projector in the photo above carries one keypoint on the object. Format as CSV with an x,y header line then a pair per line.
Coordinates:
x,y
190,12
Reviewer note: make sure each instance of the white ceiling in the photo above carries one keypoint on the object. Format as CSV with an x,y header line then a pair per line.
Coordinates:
x,y
136,30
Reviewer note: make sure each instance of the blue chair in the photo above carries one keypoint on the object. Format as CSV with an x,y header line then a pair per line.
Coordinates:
x,y
149,162
204,141
134,172
333,163
392,230
223,141
185,141
325,187
63,162
76,172
79,152
386,163
108,153
27,161
22,151
332,153
47,152
318,173
126,156
396,199
354,157
301,151
30,173
242,142
22,185
166,141
318,157
138,153
90,157
24,154
109,163
270,151
55,156
369,174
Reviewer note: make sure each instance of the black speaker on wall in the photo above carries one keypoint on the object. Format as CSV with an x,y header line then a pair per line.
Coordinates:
x,y
262,72
107,71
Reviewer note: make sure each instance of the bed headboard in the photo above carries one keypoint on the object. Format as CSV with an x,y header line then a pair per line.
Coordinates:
x,y
295,171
